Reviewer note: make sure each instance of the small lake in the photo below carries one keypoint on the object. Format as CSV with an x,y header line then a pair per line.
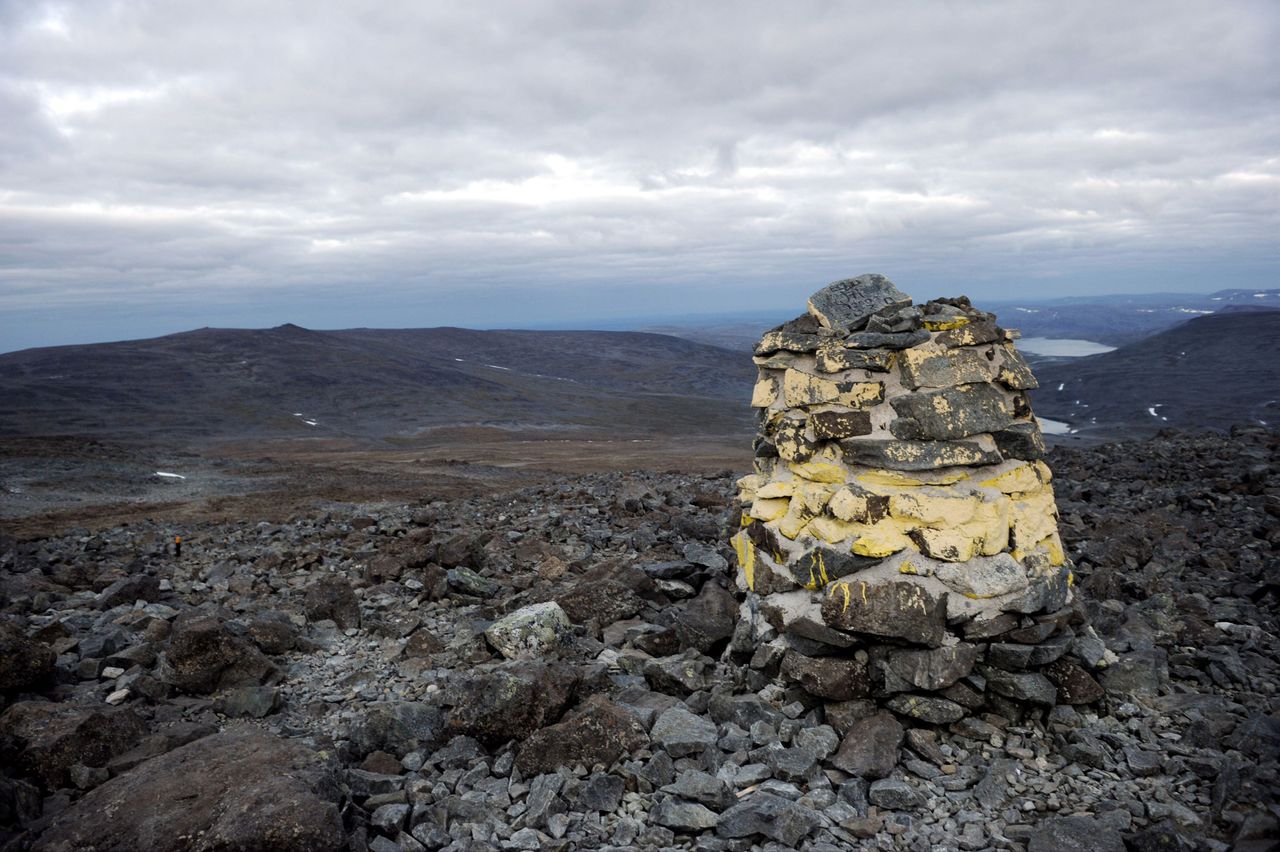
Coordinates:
x,y
1062,348
1053,427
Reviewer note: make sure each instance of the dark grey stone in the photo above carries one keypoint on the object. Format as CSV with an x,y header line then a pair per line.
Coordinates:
x,y
896,608
895,795
1022,686
1074,834
680,732
1020,441
870,748
927,708
933,669
683,816
771,816
846,305
951,413
917,455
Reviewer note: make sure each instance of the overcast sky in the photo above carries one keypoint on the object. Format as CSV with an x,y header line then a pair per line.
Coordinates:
x,y
167,165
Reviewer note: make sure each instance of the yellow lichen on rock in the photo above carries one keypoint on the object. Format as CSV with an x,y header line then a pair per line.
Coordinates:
x,y
883,539
814,495
819,471
765,392
946,324
1014,477
934,506
796,518
948,545
769,510
777,489
801,389
831,530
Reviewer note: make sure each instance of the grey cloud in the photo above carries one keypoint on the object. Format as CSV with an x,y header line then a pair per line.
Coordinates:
x,y
672,156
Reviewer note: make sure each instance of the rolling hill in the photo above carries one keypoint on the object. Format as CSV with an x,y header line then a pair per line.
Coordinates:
x,y
291,381
1210,372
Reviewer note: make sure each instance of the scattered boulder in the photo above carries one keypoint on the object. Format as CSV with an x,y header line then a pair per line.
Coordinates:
x,y
530,632
203,655
598,732
332,598
24,663
45,739
510,700
241,789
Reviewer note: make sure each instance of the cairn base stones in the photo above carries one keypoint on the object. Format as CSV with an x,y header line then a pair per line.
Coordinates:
x,y
899,533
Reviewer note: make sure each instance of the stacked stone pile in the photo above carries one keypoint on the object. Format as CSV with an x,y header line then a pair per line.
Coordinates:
x,y
899,535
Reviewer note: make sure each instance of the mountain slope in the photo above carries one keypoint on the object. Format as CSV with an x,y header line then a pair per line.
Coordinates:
x,y
1209,372
372,383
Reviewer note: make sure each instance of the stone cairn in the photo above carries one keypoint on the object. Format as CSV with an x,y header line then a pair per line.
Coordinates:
x,y
899,535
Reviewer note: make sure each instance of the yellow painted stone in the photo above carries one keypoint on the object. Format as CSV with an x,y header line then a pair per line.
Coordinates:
x,y
776,489
1053,546
769,510
1015,477
1034,518
831,530
989,526
819,471
815,495
801,389
746,552
946,324
796,518
847,506
949,545
876,480
934,506
751,482
765,392
1046,475
880,540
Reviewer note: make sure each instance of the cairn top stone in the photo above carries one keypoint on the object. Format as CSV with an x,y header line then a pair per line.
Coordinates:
x,y
845,306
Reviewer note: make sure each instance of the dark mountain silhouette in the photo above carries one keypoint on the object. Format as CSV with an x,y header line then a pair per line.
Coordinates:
x,y
216,383
1209,372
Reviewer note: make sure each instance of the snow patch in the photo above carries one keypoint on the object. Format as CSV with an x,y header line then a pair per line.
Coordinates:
x,y
1061,385
1191,311
496,367
167,475
311,422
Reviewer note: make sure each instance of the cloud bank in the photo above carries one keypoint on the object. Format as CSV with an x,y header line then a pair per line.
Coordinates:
x,y
411,164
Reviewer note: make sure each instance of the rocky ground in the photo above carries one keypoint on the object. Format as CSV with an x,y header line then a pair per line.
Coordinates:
x,y
558,667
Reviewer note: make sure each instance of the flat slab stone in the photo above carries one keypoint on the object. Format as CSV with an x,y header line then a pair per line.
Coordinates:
x,y
896,608
918,455
829,425
926,367
845,306
1020,441
952,413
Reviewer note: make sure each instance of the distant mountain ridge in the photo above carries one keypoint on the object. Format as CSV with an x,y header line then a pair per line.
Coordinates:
x,y
290,381
1210,372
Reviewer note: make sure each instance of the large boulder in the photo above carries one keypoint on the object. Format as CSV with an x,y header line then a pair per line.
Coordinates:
x,y
241,789
24,663
598,732
870,748
397,727
45,740
332,598
530,632
203,655
510,700
707,620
